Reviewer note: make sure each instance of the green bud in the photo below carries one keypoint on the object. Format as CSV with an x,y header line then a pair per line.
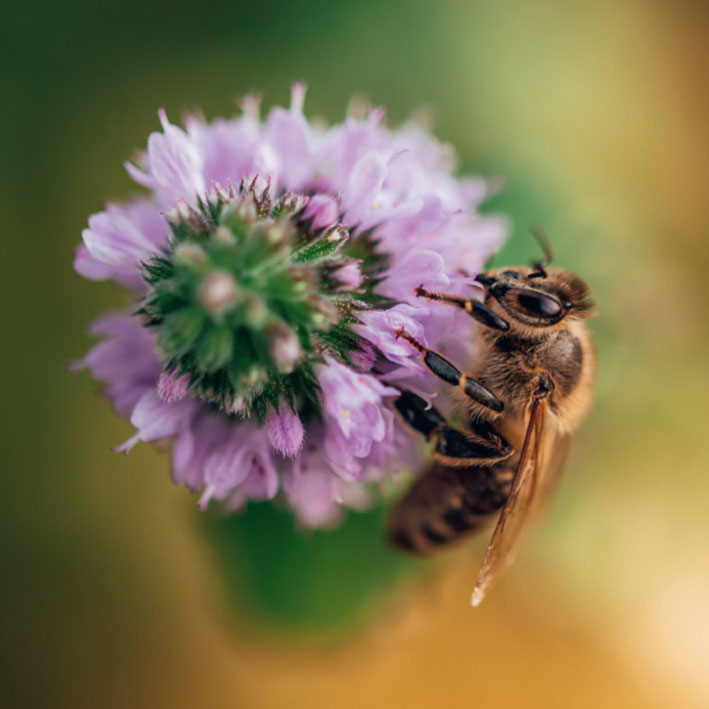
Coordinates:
x,y
337,236
185,221
242,211
284,347
215,348
277,234
189,254
324,314
243,301
255,311
256,377
218,292
236,405
180,330
223,236
304,279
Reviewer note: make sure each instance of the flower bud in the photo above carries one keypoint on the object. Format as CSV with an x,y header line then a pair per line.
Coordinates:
x,y
236,405
215,348
324,314
277,234
218,292
285,348
172,387
251,105
242,210
189,254
292,202
184,217
322,211
255,311
224,236
337,236
303,278
256,377
285,431
349,275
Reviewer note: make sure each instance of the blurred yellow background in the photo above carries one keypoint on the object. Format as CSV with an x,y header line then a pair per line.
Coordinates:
x,y
596,113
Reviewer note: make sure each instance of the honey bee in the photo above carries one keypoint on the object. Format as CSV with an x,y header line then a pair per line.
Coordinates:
x,y
524,396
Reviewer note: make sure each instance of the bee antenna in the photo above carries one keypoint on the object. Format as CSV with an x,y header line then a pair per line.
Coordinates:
x,y
541,236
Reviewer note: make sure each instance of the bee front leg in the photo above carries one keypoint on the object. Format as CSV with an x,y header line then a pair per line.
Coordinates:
x,y
448,372
474,308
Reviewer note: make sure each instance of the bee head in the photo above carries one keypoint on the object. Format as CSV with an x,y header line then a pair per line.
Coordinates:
x,y
537,296
536,300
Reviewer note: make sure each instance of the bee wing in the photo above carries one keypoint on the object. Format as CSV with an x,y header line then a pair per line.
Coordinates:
x,y
553,452
515,513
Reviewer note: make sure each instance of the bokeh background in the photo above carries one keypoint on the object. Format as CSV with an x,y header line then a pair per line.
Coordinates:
x,y
115,592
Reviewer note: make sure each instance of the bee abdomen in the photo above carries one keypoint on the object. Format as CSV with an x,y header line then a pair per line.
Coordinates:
x,y
444,505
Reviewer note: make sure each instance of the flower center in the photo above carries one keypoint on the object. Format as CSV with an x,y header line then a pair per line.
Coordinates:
x,y
251,292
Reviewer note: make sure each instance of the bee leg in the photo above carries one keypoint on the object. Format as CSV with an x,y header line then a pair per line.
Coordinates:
x,y
481,446
448,372
418,414
473,307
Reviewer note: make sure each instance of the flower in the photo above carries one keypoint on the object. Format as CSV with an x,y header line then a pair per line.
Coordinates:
x,y
271,265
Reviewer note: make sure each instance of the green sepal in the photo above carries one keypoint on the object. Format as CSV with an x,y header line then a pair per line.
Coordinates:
x,y
158,269
318,252
163,302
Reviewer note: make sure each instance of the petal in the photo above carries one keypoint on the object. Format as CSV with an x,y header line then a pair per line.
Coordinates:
x,y
421,267
174,164
363,187
88,266
310,493
155,419
381,328
121,238
225,469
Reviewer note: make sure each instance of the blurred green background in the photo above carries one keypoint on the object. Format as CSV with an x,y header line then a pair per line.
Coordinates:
x,y
111,593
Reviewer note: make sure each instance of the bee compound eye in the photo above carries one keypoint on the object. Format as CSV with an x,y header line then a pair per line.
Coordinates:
x,y
539,304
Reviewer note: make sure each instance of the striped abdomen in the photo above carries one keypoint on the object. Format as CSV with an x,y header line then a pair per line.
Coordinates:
x,y
445,503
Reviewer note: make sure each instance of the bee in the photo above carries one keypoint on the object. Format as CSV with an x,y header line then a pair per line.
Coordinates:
x,y
527,392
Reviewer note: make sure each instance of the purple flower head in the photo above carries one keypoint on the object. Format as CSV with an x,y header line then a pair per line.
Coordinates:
x,y
272,264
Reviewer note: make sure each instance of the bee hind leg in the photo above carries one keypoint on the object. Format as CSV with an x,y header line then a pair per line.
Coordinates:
x,y
416,411
462,488
480,445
